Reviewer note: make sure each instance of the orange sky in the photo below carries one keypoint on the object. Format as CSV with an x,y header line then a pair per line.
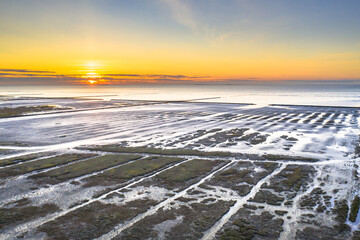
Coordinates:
x,y
178,41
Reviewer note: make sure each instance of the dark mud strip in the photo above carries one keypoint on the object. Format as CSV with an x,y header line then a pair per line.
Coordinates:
x,y
194,135
7,112
40,110
230,136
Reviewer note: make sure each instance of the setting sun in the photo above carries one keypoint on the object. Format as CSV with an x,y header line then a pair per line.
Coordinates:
x,y
92,78
91,81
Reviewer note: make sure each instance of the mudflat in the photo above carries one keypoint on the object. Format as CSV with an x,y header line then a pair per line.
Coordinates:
x,y
117,169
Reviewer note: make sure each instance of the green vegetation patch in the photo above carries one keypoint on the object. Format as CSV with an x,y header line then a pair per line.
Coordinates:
x,y
125,172
356,235
242,231
18,111
185,152
314,198
233,175
357,150
24,158
93,220
20,213
275,157
265,196
323,232
294,178
341,209
241,176
4,150
291,178
354,209
18,144
81,168
41,164
247,225
186,171
186,222
20,203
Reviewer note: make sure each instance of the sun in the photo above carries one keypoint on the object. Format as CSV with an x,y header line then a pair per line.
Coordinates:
x,y
91,78
92,82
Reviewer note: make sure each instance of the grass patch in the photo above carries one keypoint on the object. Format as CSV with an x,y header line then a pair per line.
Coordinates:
x,y
128,171
16,215
247,225
233,175
184,152
81,168
195,219
42,164
186,171
18,111
275,157
341,210
354,209
14,160
293,180
241,177
265,196
93,220
357,150
18,144
242,231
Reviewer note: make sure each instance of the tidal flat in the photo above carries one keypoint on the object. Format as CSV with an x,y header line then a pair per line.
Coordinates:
x,y
122,169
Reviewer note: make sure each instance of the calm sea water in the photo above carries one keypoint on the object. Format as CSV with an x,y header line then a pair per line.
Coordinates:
x,y
261,95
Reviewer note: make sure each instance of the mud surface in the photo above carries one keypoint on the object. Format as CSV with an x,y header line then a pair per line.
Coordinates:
x,y
94,169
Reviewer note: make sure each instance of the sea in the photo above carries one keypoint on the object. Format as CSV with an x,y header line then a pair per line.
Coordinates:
x,y
320,95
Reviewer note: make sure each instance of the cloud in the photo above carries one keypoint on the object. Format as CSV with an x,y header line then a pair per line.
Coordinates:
x,y
183,13
153,75
39,77
23,70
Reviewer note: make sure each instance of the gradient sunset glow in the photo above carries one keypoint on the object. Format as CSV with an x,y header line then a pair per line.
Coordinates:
x,y
177,41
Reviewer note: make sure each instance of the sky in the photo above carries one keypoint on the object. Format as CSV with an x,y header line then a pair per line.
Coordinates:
x,y
178,41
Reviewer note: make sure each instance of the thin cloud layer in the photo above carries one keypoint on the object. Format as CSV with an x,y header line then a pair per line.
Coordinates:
x,y
26,76
6,70
40,77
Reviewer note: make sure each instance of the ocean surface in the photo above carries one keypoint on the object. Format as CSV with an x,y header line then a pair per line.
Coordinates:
x,y
323,95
